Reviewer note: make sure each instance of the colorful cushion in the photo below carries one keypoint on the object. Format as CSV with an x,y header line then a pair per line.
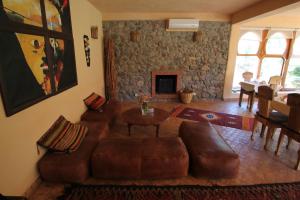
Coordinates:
x,y
94,101
63,136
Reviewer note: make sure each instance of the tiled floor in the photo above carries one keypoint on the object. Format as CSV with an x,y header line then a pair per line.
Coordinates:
x,y
257,165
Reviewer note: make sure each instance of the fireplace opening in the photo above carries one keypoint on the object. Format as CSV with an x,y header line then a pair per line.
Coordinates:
x,y
165,84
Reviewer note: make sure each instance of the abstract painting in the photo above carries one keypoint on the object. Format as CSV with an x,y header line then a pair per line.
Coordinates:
x,y
37,59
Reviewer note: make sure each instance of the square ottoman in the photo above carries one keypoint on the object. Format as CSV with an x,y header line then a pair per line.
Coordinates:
x,y
132,158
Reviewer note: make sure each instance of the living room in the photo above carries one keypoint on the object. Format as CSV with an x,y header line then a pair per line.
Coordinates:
x,y
128,52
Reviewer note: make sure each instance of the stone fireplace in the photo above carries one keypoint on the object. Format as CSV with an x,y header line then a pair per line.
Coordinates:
x,y
165,84
202,64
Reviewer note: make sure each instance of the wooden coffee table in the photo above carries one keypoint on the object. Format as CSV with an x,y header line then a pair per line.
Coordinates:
x,y
134,116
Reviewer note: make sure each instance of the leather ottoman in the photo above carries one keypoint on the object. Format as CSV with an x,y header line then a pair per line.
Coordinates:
x,y
132,158
210,155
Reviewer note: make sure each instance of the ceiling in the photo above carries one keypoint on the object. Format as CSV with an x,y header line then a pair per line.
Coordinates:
x,y
226,7
292,12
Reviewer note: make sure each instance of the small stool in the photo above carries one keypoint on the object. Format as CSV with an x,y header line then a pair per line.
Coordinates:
x,y
251,95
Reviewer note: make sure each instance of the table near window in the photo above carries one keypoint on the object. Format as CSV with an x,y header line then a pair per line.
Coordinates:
x,y
278,103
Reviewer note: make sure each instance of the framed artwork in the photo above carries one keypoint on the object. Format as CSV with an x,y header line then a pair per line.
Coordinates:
x,y
37,57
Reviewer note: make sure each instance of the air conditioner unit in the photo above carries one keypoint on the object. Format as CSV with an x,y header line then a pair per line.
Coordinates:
x,y
182,25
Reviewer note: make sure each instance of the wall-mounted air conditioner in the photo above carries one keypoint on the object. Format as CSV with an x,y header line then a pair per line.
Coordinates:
x,y
182,25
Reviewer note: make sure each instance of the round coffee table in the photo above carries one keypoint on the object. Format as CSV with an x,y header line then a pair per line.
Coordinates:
x,y
134,116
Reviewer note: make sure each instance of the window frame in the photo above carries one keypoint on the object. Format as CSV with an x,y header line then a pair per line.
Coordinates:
x,y
261,54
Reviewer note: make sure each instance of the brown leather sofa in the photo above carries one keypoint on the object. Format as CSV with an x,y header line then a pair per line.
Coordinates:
x,y
75,167
210,155
134,158
109,113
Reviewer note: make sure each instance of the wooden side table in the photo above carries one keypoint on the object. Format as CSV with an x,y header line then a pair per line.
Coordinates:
x,y
134,117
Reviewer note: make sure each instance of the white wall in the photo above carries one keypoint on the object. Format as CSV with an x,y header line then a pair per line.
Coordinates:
x,y
19,133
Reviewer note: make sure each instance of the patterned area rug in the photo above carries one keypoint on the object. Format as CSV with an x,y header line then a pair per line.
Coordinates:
x,y
264,192
221,119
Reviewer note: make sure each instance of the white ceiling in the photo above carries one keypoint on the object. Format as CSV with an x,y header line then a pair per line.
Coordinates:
x,y
226,7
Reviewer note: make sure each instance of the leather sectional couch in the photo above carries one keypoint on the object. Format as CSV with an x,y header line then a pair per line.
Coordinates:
x,y
198,148
75,167
210,155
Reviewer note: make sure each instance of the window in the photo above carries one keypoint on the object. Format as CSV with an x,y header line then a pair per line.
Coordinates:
x,y
243,64
276,44
270,67
266,54
247,60
293,72
249,43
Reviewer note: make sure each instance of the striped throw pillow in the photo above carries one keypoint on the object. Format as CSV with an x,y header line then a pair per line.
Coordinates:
x,y
63,136
94,101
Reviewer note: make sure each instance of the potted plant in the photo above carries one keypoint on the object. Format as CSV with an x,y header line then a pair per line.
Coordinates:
x,y
186,95
144,103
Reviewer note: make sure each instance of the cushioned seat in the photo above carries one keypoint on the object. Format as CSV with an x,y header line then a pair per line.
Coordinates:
x,y
210,155
278,117
109,112
73,167
132,158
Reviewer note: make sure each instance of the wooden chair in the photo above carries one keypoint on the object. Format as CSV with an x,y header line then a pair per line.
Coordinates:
x,y
250,100
265,94
274,83
247,77
269,119
292,127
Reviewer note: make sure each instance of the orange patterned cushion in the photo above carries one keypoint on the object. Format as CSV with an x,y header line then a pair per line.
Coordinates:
x,y
94,101
63,136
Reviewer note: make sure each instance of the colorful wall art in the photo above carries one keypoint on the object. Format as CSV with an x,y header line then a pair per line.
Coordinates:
x,y
36,53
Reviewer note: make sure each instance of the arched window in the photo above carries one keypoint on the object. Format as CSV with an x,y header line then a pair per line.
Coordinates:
x,y
276,44
249,43
270,67
296,47
264,53
273,61
293,73
246,60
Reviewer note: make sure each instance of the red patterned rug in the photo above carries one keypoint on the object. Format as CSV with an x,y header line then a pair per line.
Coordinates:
x,y
281,191
221,119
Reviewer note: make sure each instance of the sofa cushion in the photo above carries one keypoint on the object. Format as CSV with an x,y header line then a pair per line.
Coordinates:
x,y
117,159
210,155
164,158
94,101
75,166
63,136
133,158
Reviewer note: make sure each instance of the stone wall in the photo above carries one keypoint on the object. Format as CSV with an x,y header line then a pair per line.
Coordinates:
x,y
203,63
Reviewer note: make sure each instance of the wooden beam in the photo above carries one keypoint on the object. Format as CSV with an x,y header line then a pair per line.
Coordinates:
x,y
263,9
116,16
